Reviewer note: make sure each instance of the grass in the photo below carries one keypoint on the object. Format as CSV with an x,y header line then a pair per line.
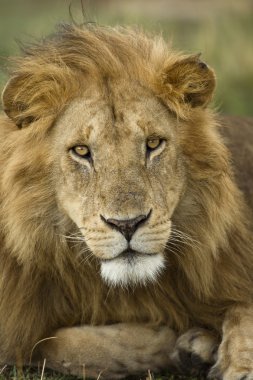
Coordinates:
x,y
7,373
224,37
32,374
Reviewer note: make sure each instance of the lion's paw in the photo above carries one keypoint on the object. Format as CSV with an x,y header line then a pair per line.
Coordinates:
x,y
230,374
195,352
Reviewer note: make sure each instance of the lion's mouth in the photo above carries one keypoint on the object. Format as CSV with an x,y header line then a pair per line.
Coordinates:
x,y
130,255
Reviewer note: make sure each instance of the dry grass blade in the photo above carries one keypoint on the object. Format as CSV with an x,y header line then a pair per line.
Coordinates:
x,y
2,369
37,343
43,369
150,376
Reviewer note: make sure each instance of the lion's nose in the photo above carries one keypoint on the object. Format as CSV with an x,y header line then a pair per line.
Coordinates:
x,y
127,227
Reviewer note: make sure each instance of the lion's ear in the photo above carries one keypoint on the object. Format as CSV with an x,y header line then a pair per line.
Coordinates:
x,y
13,106
189,80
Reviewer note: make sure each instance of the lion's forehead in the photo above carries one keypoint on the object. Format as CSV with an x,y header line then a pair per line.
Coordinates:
x,y
112,116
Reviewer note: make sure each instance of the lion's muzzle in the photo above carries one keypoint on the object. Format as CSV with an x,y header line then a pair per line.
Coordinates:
x,y
130,266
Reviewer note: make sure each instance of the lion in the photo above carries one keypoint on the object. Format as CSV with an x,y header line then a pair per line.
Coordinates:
x,y
126,211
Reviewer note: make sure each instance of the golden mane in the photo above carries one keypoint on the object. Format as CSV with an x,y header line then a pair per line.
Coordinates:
x,y
38,264
52,73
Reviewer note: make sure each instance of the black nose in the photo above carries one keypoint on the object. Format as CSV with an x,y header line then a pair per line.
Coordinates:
x,y
127,227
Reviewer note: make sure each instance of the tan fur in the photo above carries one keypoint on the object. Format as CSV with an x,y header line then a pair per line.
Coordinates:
x,y
235,355
111,89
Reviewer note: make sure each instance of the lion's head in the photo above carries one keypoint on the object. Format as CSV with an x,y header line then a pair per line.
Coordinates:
x,y
112,116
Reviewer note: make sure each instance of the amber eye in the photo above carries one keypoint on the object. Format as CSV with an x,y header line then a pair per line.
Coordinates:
x,y
81,151
153,143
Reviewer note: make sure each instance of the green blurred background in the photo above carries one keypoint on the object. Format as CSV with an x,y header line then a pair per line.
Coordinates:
x,y
222,30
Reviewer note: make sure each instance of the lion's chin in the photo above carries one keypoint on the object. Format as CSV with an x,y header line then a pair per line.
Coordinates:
x,y
137,270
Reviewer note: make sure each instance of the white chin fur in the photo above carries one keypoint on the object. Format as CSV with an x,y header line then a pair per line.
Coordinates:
x,y
139,270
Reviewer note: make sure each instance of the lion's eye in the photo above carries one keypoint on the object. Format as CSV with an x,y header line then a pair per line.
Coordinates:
x,y
81,151
153,143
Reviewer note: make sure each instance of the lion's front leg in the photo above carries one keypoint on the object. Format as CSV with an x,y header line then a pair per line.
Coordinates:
x,y
113,351
235,355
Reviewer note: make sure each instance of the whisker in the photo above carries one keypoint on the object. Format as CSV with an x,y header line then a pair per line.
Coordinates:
x,y
182,242
172,249
184,235
86,259
83,252
76,239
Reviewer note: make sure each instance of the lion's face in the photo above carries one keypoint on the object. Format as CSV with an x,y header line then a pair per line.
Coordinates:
x,y
116,155
120,178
